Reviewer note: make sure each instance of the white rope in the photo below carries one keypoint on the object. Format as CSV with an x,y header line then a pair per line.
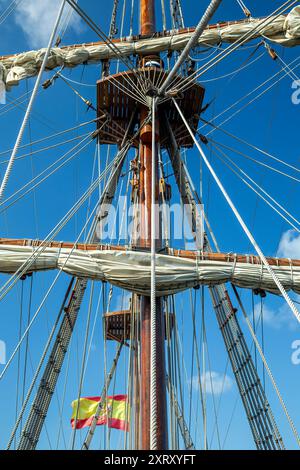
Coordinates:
x,y
33,383
245,10
51,136
244,39
254,160
236,71
121,31
9,10
47,295
263,358
49,147
286,66
30,104
163,14
275,56
254,147
296,65
83,362
240,219
153,377
44,174
75,82
187,82
208,14
260,189
13,104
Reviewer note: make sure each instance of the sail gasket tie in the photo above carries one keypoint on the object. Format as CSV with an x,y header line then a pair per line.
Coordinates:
x,y
233,266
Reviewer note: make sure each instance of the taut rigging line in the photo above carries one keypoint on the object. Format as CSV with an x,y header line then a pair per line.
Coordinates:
x,y
31,102
259,414
127,62
240,220
259,189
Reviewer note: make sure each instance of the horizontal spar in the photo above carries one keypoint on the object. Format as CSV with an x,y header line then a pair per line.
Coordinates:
x,y
128,268
284,30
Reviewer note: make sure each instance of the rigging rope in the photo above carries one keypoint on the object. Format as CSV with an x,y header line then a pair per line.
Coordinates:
x,y
211,9
109,376
121,29
113,22
13,279
83,363
187,82
245,10
261,189
46,296
52,165
240,219
257,408
176,14
163,14
51,136
19,352
236,71
153,351
50,376
253,147
250,93
131,19
203,404
25,402
31,102
49,147
259,349
127,62
211,383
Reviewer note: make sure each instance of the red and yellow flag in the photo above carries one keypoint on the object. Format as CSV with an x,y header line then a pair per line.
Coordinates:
x,y
115,412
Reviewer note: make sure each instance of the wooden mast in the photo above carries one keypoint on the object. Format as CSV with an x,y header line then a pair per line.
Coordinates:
x,y
147,27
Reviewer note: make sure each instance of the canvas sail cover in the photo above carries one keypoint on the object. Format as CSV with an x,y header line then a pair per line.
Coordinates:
x,y
130,270
284,30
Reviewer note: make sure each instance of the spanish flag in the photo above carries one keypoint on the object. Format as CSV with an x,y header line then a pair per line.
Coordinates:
x,y
114,412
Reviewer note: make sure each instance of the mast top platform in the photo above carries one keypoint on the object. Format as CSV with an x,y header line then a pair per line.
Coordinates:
x,y
118,99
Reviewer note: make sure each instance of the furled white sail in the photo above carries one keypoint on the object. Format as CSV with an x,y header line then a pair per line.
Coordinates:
x,y
131,269
284,30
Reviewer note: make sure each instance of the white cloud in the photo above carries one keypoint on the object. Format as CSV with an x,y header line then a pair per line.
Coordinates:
x,y
37,18
289,245
214,382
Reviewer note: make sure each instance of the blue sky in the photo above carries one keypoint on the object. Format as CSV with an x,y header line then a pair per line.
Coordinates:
x,y
270,123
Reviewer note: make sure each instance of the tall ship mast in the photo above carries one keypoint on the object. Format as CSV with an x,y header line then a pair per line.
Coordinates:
x,y
126,290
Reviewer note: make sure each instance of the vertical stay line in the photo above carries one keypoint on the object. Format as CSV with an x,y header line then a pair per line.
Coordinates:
x,y
240,219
